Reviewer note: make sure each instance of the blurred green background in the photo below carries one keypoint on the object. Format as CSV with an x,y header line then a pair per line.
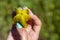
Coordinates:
x,y
47,10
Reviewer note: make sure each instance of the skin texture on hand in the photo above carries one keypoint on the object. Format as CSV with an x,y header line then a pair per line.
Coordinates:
x,y
29,33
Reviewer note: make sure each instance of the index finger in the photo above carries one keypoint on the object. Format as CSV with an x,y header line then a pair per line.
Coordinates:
x,y
37,22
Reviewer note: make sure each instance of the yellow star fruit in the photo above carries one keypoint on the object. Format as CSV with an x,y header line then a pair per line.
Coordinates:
x,y
22,16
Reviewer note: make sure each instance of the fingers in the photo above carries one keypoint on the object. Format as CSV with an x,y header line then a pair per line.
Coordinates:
x,y
37,22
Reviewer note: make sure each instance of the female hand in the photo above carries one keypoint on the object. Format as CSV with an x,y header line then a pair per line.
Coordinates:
x,y
29,33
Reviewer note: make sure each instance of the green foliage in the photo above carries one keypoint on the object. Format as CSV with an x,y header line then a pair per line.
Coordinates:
x,y
47,10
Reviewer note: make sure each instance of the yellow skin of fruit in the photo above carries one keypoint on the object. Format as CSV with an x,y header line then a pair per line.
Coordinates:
x,y
22,16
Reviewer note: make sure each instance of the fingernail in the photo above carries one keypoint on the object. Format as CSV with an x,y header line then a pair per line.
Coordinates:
x,y
25,7
30,12
18,25
20,8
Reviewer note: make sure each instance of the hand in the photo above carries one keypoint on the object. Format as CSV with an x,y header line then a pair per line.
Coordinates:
x,y
29,33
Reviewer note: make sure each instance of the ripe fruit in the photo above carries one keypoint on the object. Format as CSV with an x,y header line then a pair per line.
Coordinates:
x,y
22,16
